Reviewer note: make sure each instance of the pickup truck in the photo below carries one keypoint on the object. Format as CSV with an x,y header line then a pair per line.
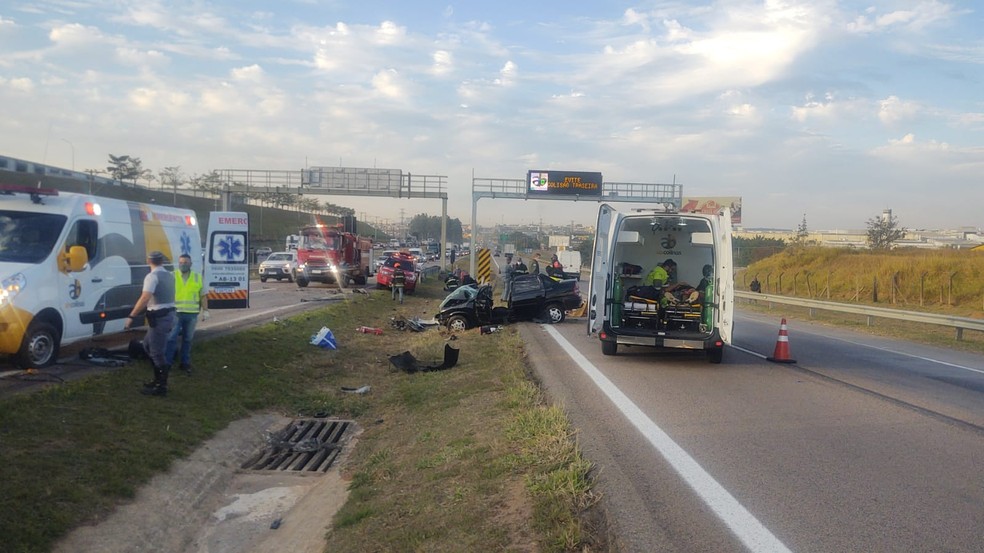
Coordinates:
x,y
532,297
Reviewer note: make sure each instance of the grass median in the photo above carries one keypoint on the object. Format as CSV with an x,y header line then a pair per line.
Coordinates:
x,y
470,458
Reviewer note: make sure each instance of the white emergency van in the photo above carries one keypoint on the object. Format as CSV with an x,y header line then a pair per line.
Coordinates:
x,y
72,266
624,311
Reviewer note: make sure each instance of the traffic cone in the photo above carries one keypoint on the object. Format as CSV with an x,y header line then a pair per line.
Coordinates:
x,y
781,354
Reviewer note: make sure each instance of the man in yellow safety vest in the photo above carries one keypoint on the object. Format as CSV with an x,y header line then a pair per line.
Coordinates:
x,y
190,300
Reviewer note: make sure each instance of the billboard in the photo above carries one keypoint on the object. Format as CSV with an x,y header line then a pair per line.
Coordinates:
x,y
353,179
562,183
713,205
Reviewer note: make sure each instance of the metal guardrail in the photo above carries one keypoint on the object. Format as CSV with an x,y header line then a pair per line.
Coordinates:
x,y
959,323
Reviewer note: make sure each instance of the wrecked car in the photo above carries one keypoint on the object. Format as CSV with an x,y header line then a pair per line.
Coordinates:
x,y
533,297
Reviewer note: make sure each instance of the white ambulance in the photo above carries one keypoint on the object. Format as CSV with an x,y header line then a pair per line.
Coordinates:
x,y
623,311
72,266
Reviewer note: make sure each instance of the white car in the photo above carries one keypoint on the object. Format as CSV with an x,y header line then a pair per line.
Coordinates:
x,y
279,265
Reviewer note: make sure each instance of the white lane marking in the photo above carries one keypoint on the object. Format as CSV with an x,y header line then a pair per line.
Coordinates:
x,y
879,348
748,351
751,532
902,353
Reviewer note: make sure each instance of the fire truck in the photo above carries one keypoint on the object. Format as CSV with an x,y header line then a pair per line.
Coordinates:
x,y
332,255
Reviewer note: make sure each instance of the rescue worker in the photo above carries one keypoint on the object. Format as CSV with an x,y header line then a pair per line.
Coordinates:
x,y
661,274
156,301
398,282
535,264
555,268
190,300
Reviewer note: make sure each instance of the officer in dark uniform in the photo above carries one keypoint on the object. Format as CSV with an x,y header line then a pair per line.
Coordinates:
x,y
157,302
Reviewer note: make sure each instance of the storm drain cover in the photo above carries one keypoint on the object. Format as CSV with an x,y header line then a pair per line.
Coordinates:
x,y
304,446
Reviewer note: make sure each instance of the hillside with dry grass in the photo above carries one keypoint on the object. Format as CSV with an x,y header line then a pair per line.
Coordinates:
x,y
940,281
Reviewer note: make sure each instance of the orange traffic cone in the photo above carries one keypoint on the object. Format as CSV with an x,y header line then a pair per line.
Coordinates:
x,y
781,354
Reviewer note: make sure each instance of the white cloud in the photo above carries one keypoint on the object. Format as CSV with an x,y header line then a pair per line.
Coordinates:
x,y
443,62
508,74
388,84
18,84
390,34
891,110
141,58
253,73
917,18
73,35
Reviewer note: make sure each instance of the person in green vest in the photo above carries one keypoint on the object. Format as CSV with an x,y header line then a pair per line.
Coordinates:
x,y
190,300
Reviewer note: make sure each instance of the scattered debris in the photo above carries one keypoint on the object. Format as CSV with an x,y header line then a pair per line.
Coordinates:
x,y
324,339
360,390
489,329
402,323
104,358
408,363
362,291
276,524
369,330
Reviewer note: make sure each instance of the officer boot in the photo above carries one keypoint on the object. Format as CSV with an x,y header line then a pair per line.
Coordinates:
x,y
159,386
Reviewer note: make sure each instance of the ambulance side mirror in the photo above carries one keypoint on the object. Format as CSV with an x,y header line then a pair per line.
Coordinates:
x,y
75,259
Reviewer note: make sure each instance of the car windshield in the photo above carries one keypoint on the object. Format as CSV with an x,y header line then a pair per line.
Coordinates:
x,y
460,295
28,237
279,257
405,264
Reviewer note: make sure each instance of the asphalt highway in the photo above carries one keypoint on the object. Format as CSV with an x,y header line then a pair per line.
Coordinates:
x,y
864,444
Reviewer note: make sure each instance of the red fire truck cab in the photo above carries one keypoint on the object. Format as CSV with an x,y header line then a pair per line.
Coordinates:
x,y
331,255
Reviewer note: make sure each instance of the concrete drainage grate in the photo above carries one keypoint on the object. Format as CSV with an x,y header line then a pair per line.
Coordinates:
x,y
304,446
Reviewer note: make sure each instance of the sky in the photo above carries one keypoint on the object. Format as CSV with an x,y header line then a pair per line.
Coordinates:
x,y
832,110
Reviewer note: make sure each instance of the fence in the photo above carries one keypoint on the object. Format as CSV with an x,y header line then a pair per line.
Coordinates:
x,y
959,323
897,288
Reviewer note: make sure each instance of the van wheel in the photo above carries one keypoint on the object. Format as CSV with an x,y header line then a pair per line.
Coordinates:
x,y
302,282
457,323
554,313
715,355
609,348
40,346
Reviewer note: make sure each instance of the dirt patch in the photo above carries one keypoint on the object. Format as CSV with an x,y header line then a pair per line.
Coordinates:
x,y
205,503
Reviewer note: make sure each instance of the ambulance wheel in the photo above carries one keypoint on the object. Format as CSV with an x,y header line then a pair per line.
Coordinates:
x,y
264,279
302,282
609,348
554,313
40,346
715,355
458,323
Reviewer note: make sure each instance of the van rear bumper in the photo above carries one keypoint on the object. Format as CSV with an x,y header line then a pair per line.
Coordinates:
x,y
662,339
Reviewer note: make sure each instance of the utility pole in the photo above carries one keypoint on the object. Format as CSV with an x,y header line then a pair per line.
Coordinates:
x,y
73,152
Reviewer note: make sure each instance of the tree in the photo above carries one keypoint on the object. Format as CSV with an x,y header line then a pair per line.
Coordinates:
x,y
429,227
884,231
750,250
170,177
801,231
124,167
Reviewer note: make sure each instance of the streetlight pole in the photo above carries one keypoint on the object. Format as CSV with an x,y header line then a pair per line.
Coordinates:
x,y
73,152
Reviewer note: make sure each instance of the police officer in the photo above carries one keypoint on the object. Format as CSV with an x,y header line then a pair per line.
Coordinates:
x,y
157,302
190,300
